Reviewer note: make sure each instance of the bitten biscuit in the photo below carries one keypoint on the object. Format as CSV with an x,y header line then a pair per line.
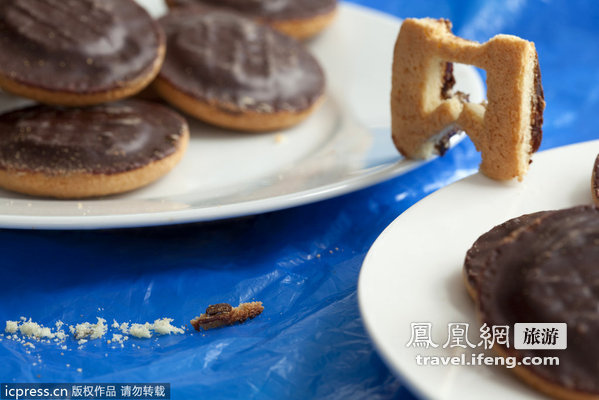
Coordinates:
x,y
229,71
506,128
77,52
84,152
299,19
540,268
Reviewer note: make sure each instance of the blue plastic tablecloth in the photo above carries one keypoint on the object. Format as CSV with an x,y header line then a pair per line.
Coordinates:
x,y
303,263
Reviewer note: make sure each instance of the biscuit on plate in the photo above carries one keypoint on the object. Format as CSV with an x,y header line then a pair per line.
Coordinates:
x,y
83,152
77,52
542,268
230,71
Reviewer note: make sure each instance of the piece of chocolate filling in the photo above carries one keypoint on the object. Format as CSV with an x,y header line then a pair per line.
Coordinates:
x,y
448,81
595,181
443,143
537,107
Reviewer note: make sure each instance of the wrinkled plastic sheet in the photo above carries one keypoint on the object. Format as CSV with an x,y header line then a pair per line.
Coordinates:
x,y
303,263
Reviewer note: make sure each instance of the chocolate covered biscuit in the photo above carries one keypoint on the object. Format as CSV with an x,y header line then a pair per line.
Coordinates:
x,y
77,52
82,152
229,71
542,268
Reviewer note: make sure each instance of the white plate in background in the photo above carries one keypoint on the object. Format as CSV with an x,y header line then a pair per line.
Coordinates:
x,y
343,147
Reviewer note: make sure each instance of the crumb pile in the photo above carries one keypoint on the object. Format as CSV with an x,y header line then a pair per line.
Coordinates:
x,y
26,331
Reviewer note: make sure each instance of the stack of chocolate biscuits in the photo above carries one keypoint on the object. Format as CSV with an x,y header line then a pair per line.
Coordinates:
x,y
83,59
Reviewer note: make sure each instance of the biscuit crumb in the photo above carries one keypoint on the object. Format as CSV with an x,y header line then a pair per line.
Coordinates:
x,y
33,329
163,327
140,331
119,338
280,138
223,314
19,330
123,327
246,102
93,331
11,326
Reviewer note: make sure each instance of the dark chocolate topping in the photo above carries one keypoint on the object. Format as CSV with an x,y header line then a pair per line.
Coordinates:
x,y
483,250
76,46
220,308
220,57
537,108
550,274
268,9
595,181
105,139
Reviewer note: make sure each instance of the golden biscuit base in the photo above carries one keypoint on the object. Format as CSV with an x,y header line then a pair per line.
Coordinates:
x,y
549,388
506,128
298,28
303,29
231,117
78,185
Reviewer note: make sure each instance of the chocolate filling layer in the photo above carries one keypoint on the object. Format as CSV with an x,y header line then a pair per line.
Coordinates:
x,y
549,274
268,9
537,108
76,46
448,81
595,181
104,139
232,62
442,144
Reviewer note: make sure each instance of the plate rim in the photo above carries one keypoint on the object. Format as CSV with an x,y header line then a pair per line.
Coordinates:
x,y
212,213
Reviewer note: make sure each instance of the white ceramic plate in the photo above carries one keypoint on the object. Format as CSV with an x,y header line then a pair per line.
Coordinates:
x,y
343,147
413,271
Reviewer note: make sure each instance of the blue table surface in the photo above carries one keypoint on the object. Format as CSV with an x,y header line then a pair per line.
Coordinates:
x,y
303,263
